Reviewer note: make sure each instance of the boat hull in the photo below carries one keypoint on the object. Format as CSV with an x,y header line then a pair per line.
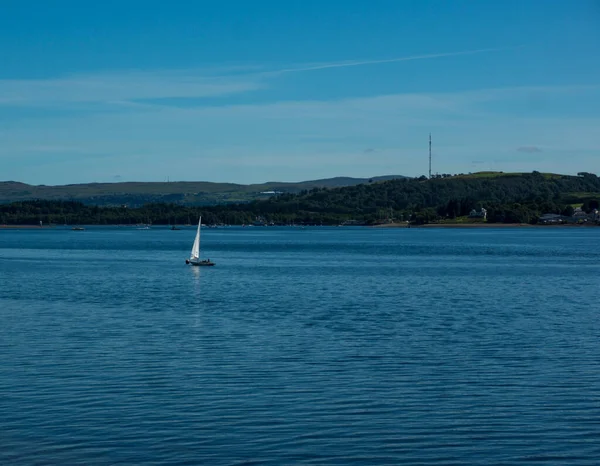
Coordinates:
x,y
200,263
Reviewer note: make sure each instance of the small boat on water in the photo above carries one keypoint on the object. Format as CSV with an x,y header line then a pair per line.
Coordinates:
x,y
78,229
195,254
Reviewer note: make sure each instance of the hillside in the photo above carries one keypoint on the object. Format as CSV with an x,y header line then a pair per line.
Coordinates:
x,y
135,194
508,198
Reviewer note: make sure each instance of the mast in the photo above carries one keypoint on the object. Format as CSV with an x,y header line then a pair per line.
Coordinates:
x,y
429,155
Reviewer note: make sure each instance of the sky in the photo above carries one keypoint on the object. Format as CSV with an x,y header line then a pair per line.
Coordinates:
x,y
253,91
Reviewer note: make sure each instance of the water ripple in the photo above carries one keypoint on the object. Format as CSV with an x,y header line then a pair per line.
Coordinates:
x,y
324,346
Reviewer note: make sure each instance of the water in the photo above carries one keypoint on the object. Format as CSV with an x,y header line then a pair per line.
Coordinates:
x,y
302,346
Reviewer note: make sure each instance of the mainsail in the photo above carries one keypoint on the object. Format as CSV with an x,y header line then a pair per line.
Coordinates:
x,y
195,254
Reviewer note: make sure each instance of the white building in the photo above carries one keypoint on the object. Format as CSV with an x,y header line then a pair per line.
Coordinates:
x,y
478,214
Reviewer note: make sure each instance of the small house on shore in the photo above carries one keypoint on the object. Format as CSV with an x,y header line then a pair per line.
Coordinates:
x,y
552,219
478,213
579,216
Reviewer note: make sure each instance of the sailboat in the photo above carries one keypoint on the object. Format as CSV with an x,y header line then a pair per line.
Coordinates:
x,y
195,254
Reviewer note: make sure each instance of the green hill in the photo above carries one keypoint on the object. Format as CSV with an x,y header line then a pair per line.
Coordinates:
x,y
135,194
508,198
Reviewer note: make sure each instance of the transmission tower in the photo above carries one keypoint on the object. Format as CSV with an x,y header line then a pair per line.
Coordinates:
x,y
429,155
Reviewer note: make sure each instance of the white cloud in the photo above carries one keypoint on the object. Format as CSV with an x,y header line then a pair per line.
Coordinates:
x,y
122,87
308,139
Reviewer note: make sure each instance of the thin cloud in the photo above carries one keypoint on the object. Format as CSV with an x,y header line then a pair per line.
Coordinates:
x,y
128,88
529,149
345,64
121,88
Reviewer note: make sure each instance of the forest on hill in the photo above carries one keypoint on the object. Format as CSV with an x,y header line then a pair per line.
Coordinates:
x,y
508,198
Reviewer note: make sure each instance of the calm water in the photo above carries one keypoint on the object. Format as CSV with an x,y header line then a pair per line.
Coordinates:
x,y
316,346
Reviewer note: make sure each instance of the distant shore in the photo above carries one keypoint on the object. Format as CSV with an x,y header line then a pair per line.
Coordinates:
x,y
477,225
386,225
21,227
455,225
481,225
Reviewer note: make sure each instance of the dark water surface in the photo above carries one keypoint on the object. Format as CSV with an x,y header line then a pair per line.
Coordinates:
x,y
316,346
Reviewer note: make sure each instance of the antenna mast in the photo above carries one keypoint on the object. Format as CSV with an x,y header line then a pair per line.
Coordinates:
x,y
429,155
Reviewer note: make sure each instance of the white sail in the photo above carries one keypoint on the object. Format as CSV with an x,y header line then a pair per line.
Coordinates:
x,y
195,255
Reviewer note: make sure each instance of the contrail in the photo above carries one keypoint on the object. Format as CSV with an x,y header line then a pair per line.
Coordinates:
x,y
389,60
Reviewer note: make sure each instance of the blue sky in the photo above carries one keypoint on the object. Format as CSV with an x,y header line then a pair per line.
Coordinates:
x,y
252,91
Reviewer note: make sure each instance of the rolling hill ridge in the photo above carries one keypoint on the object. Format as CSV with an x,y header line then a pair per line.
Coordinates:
x,y
135,194
506,197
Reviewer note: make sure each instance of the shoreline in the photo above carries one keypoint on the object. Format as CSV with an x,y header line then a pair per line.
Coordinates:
x,y
458,225
387,225
478,225
24,227
484,225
